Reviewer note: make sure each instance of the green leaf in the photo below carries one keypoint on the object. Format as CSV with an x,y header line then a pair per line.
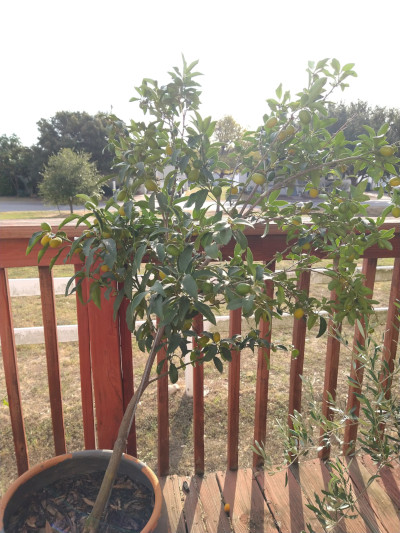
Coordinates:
x,y
212,250
173,373
235,304
241,239
95,294
278,91
160,249
132,306
322,326
190,286
218,364
138,258
117,302
42,252
336,65
45,226
185,258
347,67
201,198
316,88
70,217
273,196
205,310
54,259
224,236
33,240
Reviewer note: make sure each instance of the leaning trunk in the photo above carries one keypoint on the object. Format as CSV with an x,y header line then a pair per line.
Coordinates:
x,y
93,520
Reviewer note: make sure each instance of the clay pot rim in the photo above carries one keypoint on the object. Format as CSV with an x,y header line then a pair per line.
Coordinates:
x,y
49,463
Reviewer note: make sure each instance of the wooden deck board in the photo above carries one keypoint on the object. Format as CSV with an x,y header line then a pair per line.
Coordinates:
x,y
375,505
314,477
215,518
261,503
389,480
248,509
287,502
172,520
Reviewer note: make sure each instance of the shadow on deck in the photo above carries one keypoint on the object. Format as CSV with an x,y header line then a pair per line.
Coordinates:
x,y
261,503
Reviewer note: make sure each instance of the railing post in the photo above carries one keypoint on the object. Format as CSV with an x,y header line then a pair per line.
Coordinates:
x,y
127,370
198,405
106,370
52,356
331,378
392,328
11,374
163,415
296,365
235,327
263,363
85,367
357,368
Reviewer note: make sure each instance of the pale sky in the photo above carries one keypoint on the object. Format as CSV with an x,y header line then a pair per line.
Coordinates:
x,y
87,55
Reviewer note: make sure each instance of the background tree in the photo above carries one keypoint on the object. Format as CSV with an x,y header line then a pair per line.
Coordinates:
x,y
80,132
68,174
356,115
228,132
18,173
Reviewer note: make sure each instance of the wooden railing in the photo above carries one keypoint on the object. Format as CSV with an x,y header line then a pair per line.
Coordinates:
x,y
105,352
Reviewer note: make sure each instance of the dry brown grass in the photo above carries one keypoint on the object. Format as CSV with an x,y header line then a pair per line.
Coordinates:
x,y
34,391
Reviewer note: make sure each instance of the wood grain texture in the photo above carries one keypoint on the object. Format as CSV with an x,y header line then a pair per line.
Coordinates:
x,y
127,371
10,364
313,477
85,366
248,509
296,364
172,518
213,515
392,325
52,357
163,415
357,368
263,363
287,502
235,327
106,371
198,405
376,508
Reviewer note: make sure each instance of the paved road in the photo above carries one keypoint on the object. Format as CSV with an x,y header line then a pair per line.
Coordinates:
x,y
36,204
26,204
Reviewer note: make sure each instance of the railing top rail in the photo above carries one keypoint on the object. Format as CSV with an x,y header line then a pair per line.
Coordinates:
x,y
10,229
14,237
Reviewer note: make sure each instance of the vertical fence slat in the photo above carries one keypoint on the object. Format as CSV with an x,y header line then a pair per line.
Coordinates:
x,y
85,367
127,371
264,356
163,416
235,327
11,374
198,405
392,325
357,369
106,371
331,378
52,356
296,365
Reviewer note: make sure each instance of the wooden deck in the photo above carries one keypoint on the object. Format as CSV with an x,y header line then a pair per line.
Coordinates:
x,y
261,503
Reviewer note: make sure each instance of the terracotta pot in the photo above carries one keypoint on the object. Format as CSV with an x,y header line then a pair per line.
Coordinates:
x,y
78,463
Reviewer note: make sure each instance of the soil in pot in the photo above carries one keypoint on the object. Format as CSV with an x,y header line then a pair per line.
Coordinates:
x,y
66,503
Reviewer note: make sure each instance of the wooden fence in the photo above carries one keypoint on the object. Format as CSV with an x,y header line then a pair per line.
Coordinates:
x,y
105,351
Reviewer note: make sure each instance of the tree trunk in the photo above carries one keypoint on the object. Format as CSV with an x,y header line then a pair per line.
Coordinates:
x,y
93,520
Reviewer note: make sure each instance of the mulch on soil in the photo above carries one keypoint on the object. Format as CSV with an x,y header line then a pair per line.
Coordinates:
x,y
64,505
